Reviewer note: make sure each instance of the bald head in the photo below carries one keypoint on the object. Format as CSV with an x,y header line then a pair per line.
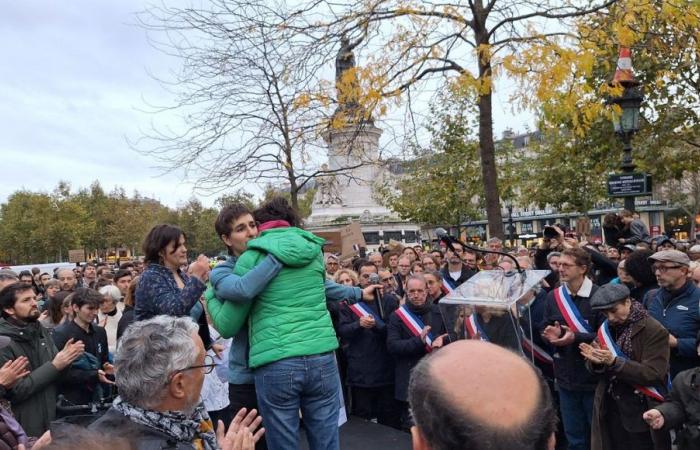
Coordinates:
x,y
472,393
67,279
503,399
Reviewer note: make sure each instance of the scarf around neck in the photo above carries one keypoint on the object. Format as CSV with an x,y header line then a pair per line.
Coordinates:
x,y
420,310
196,429
624,330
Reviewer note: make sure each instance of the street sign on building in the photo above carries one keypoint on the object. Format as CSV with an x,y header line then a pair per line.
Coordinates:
x,y
629,184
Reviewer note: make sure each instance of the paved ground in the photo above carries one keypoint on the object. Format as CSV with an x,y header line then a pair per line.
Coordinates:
x,y
358,434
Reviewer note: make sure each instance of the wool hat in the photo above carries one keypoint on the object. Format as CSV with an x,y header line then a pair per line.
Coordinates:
x,y
607,295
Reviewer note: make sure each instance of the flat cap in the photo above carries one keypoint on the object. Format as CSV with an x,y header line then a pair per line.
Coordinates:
x,y
695,249
675,256
607,295
629,247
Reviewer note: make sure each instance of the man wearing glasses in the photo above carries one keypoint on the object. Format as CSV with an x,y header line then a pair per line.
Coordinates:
x,y
675,305
569,321
160,366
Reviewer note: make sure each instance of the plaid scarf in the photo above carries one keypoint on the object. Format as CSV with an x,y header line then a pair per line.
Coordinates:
x,y
196,429
624,330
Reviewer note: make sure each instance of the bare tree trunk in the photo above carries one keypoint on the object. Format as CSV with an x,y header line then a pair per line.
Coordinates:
x,y
487,149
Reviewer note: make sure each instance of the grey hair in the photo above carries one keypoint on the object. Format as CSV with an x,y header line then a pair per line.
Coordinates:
x,y
7,274
553,255
149,352
111,291
418,277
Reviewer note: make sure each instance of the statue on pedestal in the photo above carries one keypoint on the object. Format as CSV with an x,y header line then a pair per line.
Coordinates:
x,y
347,84
328,189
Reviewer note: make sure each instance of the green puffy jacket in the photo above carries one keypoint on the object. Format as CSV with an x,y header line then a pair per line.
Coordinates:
x,y
289,318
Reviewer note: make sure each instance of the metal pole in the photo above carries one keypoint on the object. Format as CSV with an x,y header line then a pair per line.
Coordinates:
x,y
627,165
510,224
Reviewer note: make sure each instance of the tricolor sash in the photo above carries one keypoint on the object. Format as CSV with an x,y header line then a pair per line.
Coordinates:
x,y
362,310
538,352
571,314
606,341
447,286
472,326
414,325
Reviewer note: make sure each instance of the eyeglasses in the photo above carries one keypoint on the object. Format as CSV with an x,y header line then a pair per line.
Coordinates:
x,y
664,269
208,365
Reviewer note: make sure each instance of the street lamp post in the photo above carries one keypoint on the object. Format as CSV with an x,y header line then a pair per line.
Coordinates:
x,y
626,121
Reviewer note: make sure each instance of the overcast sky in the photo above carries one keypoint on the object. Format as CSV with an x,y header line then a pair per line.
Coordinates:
x,y
74,82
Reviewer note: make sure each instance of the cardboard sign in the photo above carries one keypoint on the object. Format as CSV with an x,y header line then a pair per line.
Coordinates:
x,y
333,243
345,242
76,256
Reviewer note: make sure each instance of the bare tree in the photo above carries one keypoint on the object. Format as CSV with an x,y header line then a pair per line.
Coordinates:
x,y
243,96
462,41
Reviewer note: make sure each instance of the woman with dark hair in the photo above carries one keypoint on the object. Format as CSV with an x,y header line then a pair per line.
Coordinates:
x,y
54,311
638,266
165,288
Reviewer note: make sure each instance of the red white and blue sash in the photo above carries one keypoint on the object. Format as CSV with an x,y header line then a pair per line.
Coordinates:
x,y
473,327
571,314
414,325
447,286
362,310
606,341
538,352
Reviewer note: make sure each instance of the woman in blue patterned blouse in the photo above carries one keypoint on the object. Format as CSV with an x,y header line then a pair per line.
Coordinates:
x,y
164,288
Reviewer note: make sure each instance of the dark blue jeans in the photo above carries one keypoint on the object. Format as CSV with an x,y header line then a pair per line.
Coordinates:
x,y
310,383
576,413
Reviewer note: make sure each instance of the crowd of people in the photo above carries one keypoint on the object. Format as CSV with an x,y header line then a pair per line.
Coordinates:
x,y
243,352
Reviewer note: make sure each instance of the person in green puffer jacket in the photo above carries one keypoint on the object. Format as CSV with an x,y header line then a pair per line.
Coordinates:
x,y
291,335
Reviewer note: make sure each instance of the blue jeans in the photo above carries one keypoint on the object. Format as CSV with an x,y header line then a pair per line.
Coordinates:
x,y
310,383
576,414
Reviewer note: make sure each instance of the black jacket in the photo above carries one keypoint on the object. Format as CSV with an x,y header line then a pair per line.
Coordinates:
x,y
467,273
569,366
33,397
541,264
407,349
682,410
125,321
141,437
78,386
605,269
369,362
533,318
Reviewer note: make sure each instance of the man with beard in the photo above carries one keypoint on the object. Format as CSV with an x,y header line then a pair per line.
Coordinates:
x,y
89,275
33,397
67,279
456,272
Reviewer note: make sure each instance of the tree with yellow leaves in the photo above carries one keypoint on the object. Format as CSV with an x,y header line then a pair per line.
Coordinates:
x,y
469,43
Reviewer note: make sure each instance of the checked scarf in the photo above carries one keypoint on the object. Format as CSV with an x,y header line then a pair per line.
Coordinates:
x,y
196,429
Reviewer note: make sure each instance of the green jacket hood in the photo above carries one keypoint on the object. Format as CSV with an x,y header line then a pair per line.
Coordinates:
x,y
293,246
